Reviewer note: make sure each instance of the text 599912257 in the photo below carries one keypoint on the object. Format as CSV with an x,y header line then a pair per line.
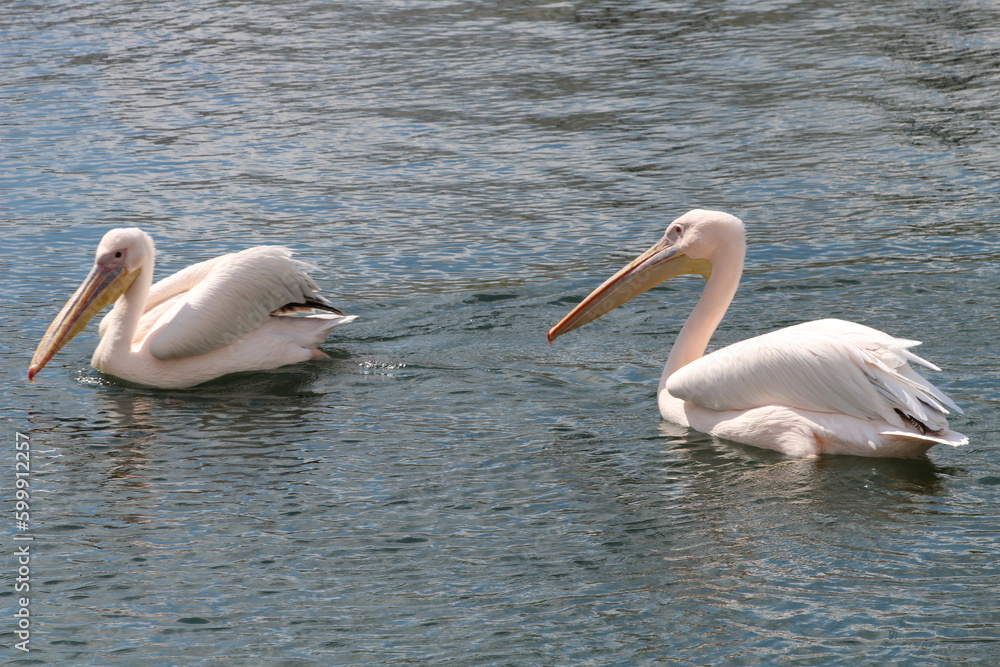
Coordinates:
x,y
22,550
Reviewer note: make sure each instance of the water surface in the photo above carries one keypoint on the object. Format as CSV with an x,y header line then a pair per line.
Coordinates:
x,y
449,489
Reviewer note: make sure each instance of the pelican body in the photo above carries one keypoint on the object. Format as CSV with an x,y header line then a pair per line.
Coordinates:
x,y
822,387
245,311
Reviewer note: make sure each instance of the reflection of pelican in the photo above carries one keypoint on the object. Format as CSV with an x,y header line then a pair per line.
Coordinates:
x,y
251,310
823,387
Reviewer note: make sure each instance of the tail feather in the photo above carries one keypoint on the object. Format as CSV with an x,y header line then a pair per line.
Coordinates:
x,y
949,437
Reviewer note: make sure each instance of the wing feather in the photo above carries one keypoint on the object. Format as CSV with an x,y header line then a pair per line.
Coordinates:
x,y
214,303
163,294
823,366
184,280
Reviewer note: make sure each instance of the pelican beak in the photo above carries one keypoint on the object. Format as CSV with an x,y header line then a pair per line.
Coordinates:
x,y
661,262
103,286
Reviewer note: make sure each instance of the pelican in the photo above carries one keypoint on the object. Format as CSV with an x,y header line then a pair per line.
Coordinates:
x,y
250,310
822,387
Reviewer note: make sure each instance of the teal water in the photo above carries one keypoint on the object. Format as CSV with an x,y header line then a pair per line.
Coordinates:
x,y
449,488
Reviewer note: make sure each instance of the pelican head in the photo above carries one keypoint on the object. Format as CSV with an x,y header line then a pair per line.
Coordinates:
x,y
120,257
690,245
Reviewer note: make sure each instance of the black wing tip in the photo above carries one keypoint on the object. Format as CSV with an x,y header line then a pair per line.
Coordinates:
x,y
313,304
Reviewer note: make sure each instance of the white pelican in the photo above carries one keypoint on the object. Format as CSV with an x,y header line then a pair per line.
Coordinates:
x,y
250,310
823,387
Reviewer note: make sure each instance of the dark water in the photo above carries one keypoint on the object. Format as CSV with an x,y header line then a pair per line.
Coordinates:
x,y
450,489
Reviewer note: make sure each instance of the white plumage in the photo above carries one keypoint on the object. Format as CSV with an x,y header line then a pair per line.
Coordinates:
x,y
251,310
823,387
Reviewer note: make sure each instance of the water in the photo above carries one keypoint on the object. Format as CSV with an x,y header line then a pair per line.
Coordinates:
x,y
450,489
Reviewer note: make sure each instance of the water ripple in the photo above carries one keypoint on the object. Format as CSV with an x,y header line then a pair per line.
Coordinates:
x,y
448,488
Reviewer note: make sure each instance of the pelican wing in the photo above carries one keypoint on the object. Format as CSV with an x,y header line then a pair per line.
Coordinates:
x,y
214,303
823,366
185,280
163,294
